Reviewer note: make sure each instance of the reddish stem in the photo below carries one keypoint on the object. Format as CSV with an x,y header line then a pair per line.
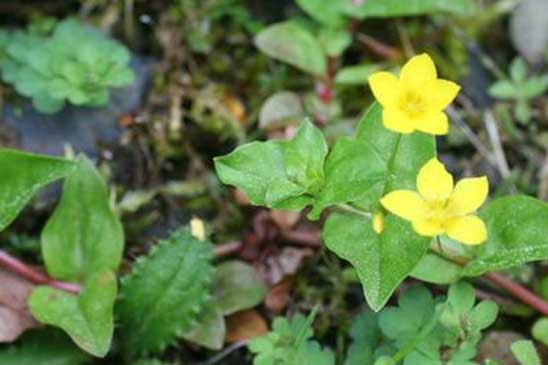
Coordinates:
x,y
35,276
227,248
382,49
518,291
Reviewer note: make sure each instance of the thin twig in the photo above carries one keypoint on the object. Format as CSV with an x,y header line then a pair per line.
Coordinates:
x,y
226,249
472,137
382,49
221,355
498,151
35,276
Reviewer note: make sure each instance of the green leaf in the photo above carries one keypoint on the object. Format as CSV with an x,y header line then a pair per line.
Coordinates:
x,y
355,75
517,233
47,104
327,12
281,109
393,8
540,330
483,315
163,296
210,330
291,43
366,337
44,347
288,344
385,360
523,111
435,269
83,235
460,315
43,68
236,286
23,174
335,41
382,261
416,306
461,297
535,86
375,161
278,174
310,353
518,70
525,352
503,89
87,318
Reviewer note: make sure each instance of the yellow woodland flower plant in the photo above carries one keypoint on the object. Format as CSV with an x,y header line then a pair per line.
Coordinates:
x,y
415,100
440,207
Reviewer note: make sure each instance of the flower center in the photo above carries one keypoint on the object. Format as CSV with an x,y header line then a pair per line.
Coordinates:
x,y
438,210
412,103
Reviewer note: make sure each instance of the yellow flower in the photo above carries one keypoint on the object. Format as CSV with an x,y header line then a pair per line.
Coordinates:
x,y
416,100
439,207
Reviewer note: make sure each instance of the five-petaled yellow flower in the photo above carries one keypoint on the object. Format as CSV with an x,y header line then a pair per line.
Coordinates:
x,y
439,207
416,100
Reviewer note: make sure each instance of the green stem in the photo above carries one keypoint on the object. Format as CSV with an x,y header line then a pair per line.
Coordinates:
x,y
350,209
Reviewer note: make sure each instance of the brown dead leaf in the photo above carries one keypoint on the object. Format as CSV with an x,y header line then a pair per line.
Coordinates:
x,y
278,297
15,317
245,325
285,219
283,263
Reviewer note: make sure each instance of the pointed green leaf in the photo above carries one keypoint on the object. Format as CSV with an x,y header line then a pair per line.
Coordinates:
x,y
83,235
278,174
236,286
291,43
163,296
374,162
504,89
87,318
210,330
525,352
382,261
23,174
516,233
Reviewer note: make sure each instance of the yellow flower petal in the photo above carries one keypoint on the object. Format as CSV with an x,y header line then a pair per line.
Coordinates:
x,y
442,93
434,123
434,182
384,86
396,121
428,227
469,195
406,204
418,71
469,230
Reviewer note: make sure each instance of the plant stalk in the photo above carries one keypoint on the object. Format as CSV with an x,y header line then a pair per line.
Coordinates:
x,y
34,275
518,291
